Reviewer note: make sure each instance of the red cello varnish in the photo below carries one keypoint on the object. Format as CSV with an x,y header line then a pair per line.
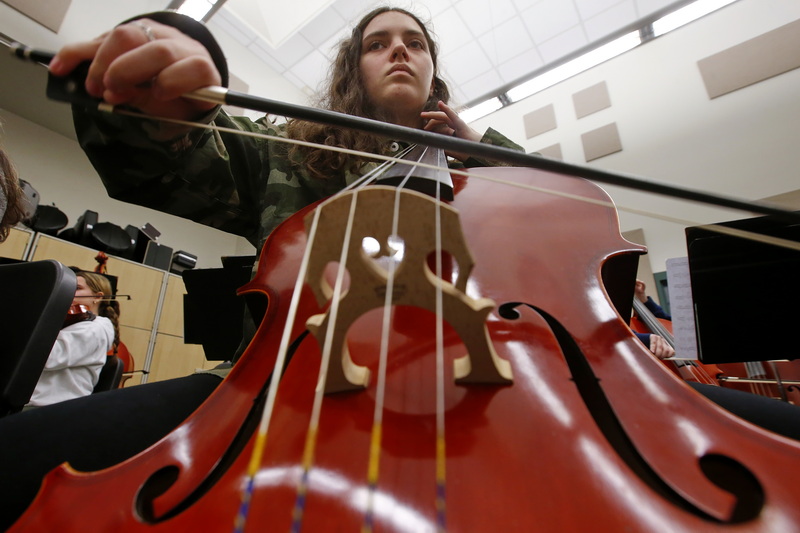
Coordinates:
x,y
590,433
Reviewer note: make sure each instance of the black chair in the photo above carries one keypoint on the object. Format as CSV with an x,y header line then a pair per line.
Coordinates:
x,y
110,375
36,298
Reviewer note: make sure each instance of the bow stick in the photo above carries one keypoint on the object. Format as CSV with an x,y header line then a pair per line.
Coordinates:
x,y
71,89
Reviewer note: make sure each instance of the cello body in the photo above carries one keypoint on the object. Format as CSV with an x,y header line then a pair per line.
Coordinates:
x,y
592,433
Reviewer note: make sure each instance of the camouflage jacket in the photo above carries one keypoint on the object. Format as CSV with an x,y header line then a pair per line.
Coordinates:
x,y
239,184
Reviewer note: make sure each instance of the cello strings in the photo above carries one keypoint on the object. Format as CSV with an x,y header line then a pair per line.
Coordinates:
x,y
373,467
441,452
319,392
756,237
261,436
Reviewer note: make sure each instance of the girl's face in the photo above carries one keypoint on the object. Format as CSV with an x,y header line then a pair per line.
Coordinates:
x,y
85,296
397,67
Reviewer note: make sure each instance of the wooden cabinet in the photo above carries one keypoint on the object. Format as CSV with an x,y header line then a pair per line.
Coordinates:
x,y
16,244
151,322
172,358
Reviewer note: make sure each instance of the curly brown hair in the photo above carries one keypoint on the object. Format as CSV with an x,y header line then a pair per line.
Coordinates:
x,y
345,92
11,196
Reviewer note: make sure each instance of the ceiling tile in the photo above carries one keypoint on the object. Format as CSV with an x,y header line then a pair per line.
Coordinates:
x,y
481,16
506,41
311,69
276,22
480,85
323,27
519,67
233,27
352,10
293,50
466,63
449,29
549,18
331,47
481,42
610,20
434,7
645,7
263,51
590,8
561,45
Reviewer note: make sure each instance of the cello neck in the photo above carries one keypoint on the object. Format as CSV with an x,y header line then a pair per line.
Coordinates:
x,y
652,323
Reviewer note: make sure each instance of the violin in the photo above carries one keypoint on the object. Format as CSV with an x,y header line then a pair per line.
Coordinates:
x,y
77,313
644,321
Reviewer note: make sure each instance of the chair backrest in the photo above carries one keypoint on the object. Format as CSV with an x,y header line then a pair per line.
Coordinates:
x,y
110,375
128,363
36,297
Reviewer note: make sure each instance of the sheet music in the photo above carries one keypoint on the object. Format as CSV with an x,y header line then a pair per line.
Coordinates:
x,y
681,307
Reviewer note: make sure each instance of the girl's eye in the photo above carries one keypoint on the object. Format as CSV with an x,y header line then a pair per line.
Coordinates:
x,y
416,44
375,45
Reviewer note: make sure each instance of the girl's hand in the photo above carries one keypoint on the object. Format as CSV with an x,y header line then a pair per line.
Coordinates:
x,y
447,122
143,64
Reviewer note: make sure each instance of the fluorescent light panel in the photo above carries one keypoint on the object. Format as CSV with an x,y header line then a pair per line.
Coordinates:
x,y
480,110
576,66
687,14
197,9
665,24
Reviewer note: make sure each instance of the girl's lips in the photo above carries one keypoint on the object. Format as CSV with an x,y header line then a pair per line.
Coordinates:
x,y
400,69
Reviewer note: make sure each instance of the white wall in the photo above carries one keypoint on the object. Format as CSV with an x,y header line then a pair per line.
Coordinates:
x,y
742,144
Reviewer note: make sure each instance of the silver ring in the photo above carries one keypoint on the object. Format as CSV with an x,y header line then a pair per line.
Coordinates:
x,y
148,31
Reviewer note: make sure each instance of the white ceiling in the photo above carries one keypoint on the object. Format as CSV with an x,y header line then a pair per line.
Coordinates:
x,y
485,45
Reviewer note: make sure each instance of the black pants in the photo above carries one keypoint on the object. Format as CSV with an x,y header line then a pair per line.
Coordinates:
x,y
777,416
104,429
90,433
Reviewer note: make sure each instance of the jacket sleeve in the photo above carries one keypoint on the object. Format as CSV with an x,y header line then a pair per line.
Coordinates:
x,y
193,173
656,309
495,138
204,176
644,337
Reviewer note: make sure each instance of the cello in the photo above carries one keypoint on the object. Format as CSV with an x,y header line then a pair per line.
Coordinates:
x,y
764,380
568,429
368,456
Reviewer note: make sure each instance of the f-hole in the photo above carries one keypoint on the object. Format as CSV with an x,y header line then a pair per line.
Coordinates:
x,y
726,473
161,480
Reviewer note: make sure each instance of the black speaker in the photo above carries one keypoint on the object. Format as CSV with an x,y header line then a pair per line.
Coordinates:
x,y
182,261
157,255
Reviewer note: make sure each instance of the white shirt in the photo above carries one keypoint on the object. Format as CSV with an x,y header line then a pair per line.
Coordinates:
x,y
74,364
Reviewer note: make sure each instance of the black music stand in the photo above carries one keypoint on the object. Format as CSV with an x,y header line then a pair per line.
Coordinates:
x,y
746,294
213,313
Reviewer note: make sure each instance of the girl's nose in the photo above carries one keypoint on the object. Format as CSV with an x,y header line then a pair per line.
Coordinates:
x,y
399,50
